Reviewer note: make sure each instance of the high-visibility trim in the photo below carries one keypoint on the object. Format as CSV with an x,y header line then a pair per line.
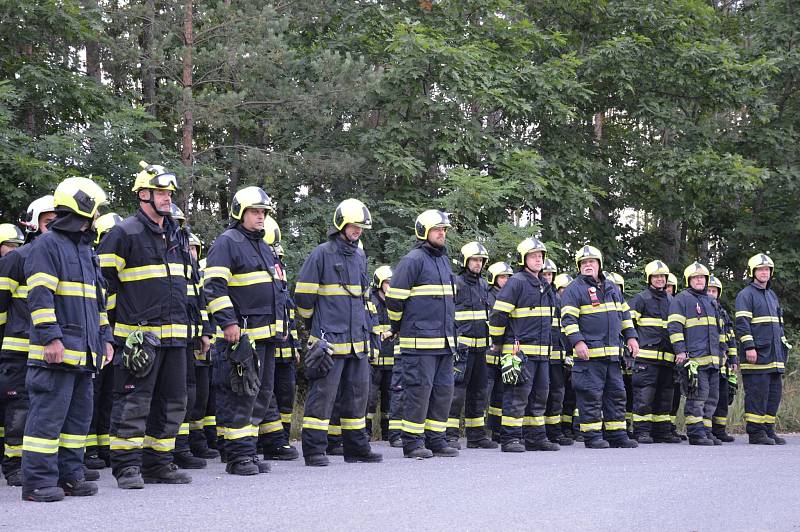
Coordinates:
x,y
591,427
675,338
271,426
286,417
533,421
555,322
9,284
158,444
765,319
473,342
249,279
3,318
398,293
453,423
492,359
432,290
327,290
219,303
650,322
566,418
248,431
606,351
719,420
305,313
91,440
216,272
71,356
629,416
627,324
635,314
528,349
72,441
754,418
357,423
510,421
21,292
568,310
412,427
495,330
503,306
196,425
221,431
103,440
435,426
395,424
552,420
209,421
642,418
151,271
662,418
424,343
707,423
652,354
762,367
395,315
69,288
614,425
184,429
111,260
473,422
494,411
571,329
679,318
469,315
111,302
746,338
692,420
43,279
126,444
701,322
743,314
609,306
313,423
12,451
31,444
103,318
344,348
705,360
556,354
43,315
334,430
169,330
532,312
381,328
383,361
769,420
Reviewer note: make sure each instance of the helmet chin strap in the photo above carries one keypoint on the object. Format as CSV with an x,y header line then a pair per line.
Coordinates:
x,y
152,203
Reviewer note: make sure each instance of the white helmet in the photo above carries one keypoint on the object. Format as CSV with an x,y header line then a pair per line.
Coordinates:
x,y
35,209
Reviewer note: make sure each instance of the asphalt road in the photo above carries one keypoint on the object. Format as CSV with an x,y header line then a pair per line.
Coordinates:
x,y
657,487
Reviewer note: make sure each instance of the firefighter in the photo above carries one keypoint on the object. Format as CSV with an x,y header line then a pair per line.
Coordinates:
x,y
695,331
14,402
728,368
11,237
97,454
672,284
245,297
521,325
626,361
568,410
653,382
144,263
554,410
197,347
595,319
762,337
382,358
498,275
69,340
470,373
422,311
671,289
331,296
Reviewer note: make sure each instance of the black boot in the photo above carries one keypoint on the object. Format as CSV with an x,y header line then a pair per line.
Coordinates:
x,y
168,474
760,438
367,457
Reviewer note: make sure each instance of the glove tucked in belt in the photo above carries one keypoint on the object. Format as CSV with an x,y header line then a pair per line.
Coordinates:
x,y
318,359
244,377
139,353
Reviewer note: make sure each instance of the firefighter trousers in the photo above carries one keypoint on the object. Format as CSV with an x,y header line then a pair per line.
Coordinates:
x,y
600,394
701,403
14,405
470,396
762,397
524,405
427,395
652,398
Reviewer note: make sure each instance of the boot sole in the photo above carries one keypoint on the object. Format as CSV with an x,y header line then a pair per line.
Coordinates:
x,y
131,486
355,459
191,466
32,498
319,464
281,457
166,481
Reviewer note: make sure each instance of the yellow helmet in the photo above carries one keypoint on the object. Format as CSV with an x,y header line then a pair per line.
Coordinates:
x,y
249,198
154,176
37,207
616,278
11,234
194,240
272,233
562,280
672,280
759,260
588,252
79,195
529,245
473,249
694,270
428,220
499,268
382,273
713,280
549,266
655,267
104,223
352,211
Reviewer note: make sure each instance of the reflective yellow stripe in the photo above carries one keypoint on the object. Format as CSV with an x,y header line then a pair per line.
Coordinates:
x,y
395,315
103,440
494,330
473,342
32,444
552,420
286,418
635,314
184,429
608,351
503,306
424,343
699,322
510,421
759,367
769,419
169,330
13,451
196,425
158,444
398,293
111,260
315,423
587,427
43,279
680,318
614,425
720,420
69,288
7,283
270,427
413,428
248,431
334,430
610,306
571,329
746,338
641,418
3,318
125,444
431,290
43,315
528,349
473,422
651,354
765,319
467,315
216,272
568,310
744,314
627,324
111,302
661,418
217,304
453,423
249,279
71,441
691,420
345,348
91,440
676,337
71,356
435,426
151,271
531,312
353,423
533,421
15,344
492,359
209,421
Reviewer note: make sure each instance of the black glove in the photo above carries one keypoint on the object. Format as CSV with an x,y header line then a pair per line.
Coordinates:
x,y
460,357
318,359
244,377
733,386
139,353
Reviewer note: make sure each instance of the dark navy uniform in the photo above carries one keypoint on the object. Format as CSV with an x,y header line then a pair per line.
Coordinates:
x,y
494,412
554,409
382,364
719,421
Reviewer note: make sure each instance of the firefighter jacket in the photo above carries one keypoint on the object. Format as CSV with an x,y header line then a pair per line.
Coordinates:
x,y
65,299
759,326
557,351
594,312
421,302
730,339
695,328
523,315
199,323
492,357
472,310
14,304
384,350
650,312
331,295
243,286
147,276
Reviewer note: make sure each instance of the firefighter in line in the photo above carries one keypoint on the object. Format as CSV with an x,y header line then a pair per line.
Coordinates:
x,y
498,275
728,380
382,358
